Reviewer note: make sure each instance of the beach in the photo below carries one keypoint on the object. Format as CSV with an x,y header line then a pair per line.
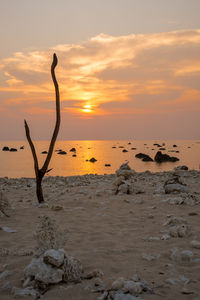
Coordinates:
x,y
135,226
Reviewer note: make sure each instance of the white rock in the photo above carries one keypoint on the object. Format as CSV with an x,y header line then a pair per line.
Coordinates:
x,y
179,230
54,257
121,296
118,284
133,287
165,237
5,274
181,256
195,244
175,188
27,292
42,272
150,257
7,229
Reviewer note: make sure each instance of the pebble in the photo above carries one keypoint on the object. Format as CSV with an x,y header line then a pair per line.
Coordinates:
x,y
195,244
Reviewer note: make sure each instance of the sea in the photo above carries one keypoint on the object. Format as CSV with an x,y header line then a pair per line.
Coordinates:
x,y
106,152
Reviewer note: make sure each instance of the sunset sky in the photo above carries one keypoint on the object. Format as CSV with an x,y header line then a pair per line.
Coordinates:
x,y
127,69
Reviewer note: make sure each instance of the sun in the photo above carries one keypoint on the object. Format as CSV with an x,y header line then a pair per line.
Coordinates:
x,y
87,108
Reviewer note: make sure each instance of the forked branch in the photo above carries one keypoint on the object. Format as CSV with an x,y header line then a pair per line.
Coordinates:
x,y
41,172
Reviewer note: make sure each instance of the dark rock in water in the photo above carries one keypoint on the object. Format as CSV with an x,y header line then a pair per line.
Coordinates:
x,y
13,150
124,150
129,143
143,157
174,146
133,148
74,155
162,148
121,147
62,152
86,160
158,145
107,165
22,147
5,148
177,151
113,147
93,159
44,152
159,157
73,150
147,158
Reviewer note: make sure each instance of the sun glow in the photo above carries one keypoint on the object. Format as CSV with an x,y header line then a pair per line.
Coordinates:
x,y
87,108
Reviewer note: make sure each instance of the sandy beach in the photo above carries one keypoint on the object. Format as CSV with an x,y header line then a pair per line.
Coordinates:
x,y
138,227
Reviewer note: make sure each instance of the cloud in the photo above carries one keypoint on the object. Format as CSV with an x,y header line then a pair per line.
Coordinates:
x,y
141,74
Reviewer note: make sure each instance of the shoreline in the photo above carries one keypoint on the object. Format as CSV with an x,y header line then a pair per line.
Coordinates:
x,y
120,224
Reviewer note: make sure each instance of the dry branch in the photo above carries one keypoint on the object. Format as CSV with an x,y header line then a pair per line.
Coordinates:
x,y
39,173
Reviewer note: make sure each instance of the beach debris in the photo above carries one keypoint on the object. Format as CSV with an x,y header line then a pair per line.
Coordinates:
x,y
143,157
181,255
5,207
160,157
48,235
195,244
5,148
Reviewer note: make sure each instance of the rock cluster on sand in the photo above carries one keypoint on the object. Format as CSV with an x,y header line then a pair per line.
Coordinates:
x,y
51,264
122,183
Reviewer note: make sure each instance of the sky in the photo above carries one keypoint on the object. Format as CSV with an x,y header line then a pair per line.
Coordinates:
x,y
127,69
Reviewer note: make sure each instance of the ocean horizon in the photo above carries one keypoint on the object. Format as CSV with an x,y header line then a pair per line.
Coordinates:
x,y
107,152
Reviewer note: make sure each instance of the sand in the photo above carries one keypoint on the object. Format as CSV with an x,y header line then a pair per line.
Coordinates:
x,y
119,234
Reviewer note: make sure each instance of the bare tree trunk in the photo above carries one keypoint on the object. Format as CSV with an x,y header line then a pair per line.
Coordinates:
x,y
39,173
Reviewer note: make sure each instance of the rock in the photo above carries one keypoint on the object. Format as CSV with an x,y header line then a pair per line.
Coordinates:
x,y
133,287
62,152
165,237
56,207
7,229
124,150
150,257
27,292
160,157
195,244
144,157
12,149
181,256
126,174
94,274
42,272
118,284
107,165
175,188
21,148
5,148
72,150
5,207
5,274
182,168
179,230
74,155
72,270
175,221
54,257
93,160
121,296
44,152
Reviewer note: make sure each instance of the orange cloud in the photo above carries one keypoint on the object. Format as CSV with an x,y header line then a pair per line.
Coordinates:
x,y
140,74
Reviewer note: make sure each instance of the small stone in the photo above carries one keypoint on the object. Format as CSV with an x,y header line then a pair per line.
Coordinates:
x,y
54,257
27,292
7,229
93,274
150,257
195,244
133,287
181,256
5,274
118,284
121,296
56,207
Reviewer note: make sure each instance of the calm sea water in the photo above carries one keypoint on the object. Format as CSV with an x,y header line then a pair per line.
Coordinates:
x,y
20,163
